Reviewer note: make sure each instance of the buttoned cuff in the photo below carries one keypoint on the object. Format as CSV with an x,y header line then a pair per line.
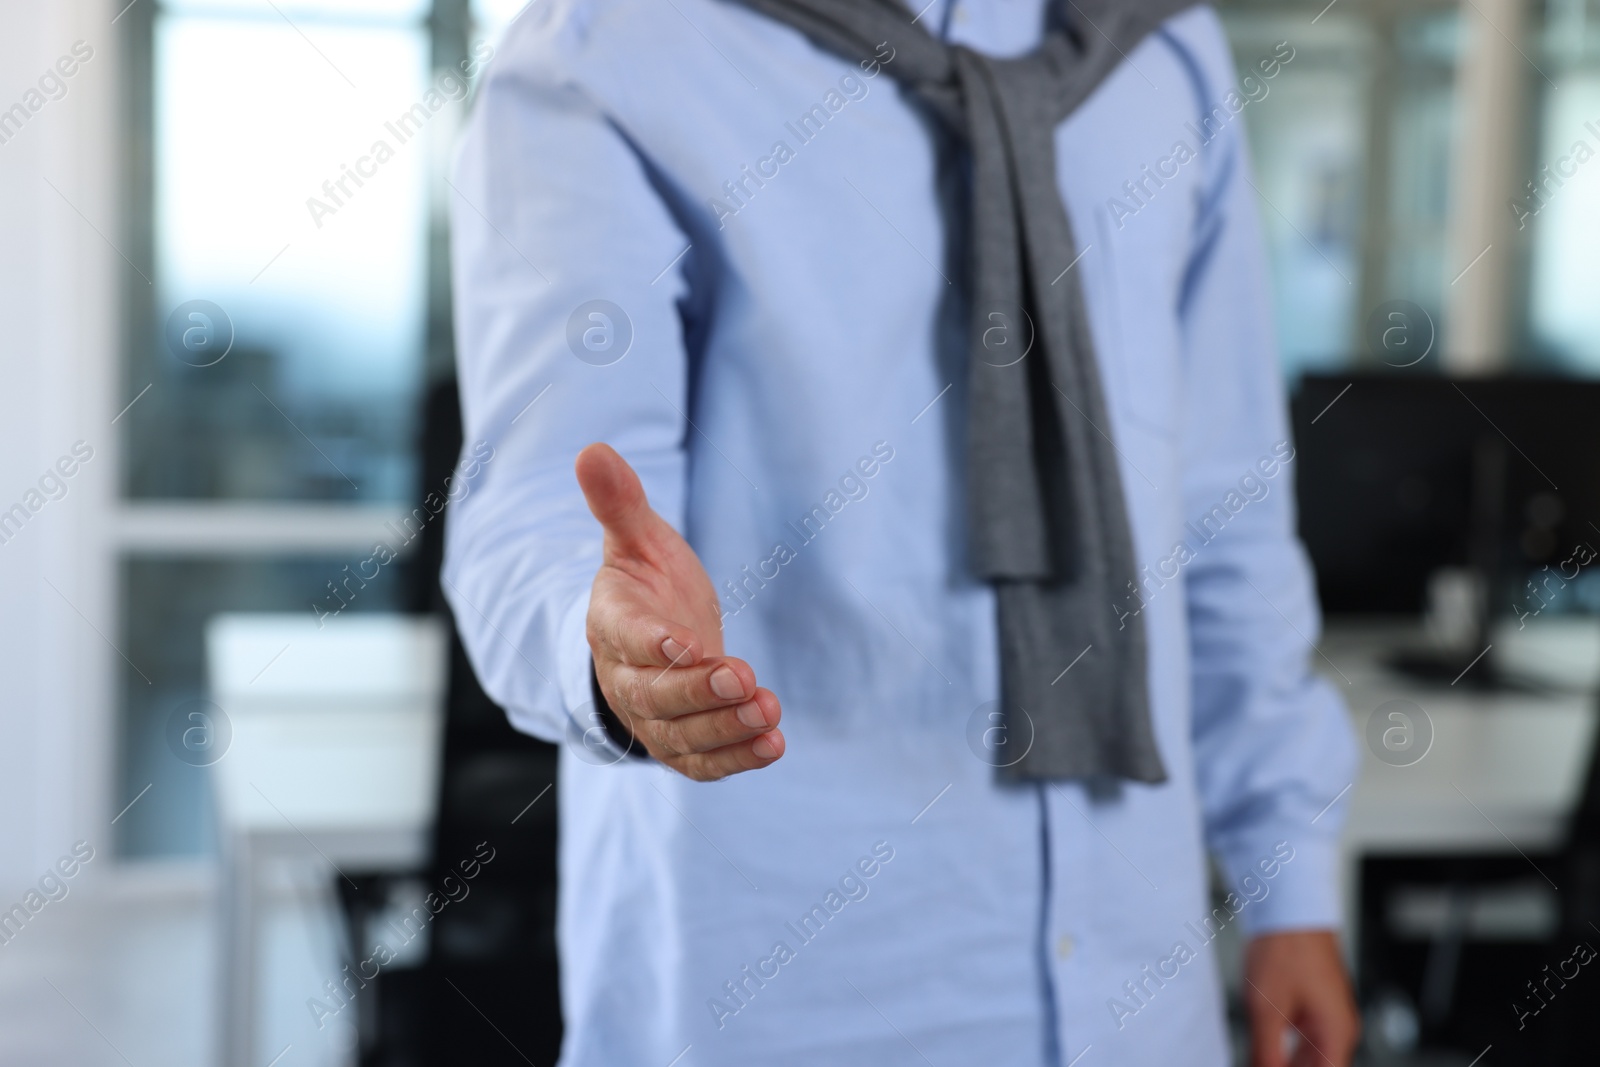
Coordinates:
x,y
621,738
1285,884
575,665
594,732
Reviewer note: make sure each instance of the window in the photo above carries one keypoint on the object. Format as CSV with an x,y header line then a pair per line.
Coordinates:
x,y
1353,147
1559,207
1308,137
287,208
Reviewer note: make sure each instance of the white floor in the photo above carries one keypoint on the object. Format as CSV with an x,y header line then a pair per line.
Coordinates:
x,y
122,973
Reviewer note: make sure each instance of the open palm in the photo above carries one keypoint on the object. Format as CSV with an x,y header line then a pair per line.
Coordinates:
x,y
655,632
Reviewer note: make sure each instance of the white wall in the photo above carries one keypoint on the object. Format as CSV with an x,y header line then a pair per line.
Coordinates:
x,y
59,282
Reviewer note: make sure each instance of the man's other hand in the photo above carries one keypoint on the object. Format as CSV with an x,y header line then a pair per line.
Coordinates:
x,y
1295,986
655,631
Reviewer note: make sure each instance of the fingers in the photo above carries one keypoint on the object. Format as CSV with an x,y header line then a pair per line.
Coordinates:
x,y
640,639
617,499
709,745
704,717
1299,988
706,731
1309,1053
1267,1032
1331,1029
666,693
733,759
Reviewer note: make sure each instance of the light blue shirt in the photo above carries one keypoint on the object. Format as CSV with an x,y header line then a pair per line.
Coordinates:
x,y
777,348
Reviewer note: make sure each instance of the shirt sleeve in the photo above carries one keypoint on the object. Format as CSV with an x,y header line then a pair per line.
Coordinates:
x,y
1274,751
568,279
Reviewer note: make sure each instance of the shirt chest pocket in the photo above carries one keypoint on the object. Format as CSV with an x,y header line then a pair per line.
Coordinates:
x,y
1133,298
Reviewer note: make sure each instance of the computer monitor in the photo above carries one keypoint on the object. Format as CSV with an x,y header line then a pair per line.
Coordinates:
x,y
1399,476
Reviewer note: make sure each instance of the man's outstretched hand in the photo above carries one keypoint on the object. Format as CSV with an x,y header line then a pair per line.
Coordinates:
x,y
1295,983
655,632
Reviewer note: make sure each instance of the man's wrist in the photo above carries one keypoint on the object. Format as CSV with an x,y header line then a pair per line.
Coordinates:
x,y
615,728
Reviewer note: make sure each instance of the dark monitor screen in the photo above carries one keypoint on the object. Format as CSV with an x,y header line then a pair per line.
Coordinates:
x,y
1398,476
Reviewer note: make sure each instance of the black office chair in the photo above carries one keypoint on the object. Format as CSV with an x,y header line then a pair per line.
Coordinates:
x,y
486,992
1459,985
1572,1013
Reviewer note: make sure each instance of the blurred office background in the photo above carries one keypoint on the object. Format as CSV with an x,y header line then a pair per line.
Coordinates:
x,y
164,190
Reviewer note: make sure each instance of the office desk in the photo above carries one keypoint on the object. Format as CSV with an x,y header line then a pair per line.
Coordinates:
x,y
333,760
1505,768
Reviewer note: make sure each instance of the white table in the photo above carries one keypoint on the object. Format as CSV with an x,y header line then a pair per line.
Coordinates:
x,y
333,758
1505,768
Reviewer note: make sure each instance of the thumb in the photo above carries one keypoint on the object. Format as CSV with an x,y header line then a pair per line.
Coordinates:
x,y
616,498
1267,1030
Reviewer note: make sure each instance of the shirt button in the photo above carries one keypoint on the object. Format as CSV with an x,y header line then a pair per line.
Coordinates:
x,y
1064,946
